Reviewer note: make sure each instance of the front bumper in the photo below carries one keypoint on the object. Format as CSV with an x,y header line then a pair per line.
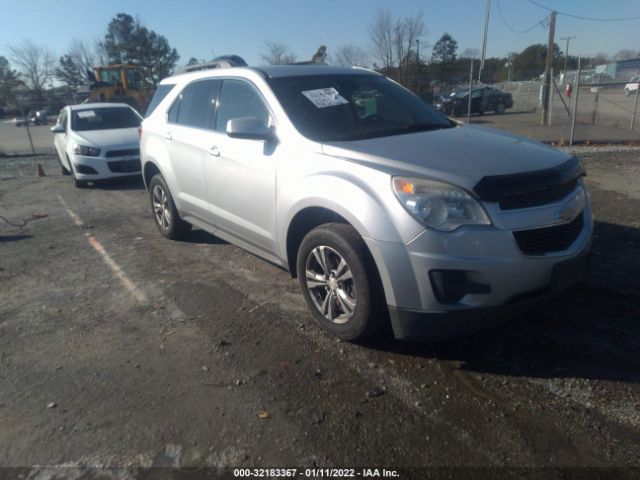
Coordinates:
x,y
101,168
488,257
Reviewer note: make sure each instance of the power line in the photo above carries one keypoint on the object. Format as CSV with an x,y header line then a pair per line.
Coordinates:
x,y
514,30
592,19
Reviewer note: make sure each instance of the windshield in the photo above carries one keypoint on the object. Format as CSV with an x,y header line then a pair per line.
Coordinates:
x,y
349,107
459,94
106,118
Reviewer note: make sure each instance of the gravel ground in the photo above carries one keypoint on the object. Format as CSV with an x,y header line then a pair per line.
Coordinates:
x,y
120,349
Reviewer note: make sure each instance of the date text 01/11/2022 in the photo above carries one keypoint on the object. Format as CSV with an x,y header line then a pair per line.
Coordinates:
x,y
315,472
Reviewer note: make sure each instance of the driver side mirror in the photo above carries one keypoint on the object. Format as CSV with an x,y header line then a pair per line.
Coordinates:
x,y
249,128
57,129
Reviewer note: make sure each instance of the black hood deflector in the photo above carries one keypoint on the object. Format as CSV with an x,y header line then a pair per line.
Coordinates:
x,y
496,188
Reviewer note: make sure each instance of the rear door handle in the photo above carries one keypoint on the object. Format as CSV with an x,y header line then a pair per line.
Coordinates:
x,y
214,152
168,136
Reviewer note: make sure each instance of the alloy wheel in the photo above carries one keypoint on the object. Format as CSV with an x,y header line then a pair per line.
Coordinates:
x,y
331,284
161,208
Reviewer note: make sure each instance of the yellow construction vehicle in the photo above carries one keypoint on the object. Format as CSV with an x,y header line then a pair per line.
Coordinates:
x,y
118,83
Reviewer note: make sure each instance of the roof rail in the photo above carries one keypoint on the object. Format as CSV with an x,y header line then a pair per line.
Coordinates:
x,y
225,61
307,62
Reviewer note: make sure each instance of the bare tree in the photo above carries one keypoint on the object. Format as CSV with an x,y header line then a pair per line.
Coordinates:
x,y
351,55
393,41
36,64
382,37
82,54
277,54
407,31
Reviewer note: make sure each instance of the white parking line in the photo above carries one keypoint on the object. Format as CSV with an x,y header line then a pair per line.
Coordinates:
x,y
72,214
133,289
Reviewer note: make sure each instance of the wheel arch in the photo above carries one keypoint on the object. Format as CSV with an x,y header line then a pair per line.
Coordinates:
x,y
302,223
149,171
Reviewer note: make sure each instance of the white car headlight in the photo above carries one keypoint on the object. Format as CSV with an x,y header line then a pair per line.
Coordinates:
x,y
438,205
86,151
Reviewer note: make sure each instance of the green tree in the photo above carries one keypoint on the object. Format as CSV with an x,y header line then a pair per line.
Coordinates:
x,y
70,74
128,42
444,50
531,62
9,82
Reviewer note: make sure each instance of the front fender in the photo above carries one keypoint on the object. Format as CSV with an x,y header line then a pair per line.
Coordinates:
x,y
368,205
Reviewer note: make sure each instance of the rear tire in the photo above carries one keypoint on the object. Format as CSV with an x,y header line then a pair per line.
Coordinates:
x,y
165,213
627,92
340,283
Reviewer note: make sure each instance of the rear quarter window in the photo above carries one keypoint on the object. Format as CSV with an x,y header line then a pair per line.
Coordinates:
x,y
161,92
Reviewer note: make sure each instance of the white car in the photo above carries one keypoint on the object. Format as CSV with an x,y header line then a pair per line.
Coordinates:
x,y
96,141
632,86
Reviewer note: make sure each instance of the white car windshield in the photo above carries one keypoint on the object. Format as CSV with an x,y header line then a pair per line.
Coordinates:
x,y
104,118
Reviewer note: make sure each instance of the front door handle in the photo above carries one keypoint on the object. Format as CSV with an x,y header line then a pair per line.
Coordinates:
x,y
214,152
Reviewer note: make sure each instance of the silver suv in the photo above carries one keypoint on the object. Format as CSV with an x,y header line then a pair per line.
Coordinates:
x,y
384,209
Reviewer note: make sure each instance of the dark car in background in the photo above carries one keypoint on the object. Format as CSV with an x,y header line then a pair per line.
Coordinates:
x,y
42,116
483,99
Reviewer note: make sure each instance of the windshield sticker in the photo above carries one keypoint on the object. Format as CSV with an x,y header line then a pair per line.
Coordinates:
x,y
86,114
325,97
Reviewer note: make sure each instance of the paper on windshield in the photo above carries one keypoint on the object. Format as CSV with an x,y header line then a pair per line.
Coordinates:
x,y
325,97
86,114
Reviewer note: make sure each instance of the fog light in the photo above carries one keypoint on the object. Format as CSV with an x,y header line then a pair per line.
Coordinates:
x,y
450,286
86,170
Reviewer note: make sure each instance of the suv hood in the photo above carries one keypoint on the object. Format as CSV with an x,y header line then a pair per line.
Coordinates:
x,y
461,156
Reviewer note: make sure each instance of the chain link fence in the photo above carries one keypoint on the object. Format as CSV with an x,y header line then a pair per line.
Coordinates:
x,y
584,107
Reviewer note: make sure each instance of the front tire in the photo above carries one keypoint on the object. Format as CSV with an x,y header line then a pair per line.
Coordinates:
x,y
500,109
76,182
165,213
63,169
340,283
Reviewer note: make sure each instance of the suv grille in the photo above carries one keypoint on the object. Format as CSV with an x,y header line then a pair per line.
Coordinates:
x,y
123,153
125,166
535,198
539,241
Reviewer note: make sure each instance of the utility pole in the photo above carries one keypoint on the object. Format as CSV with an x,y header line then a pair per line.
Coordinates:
x,y
546,87
566,55
484,39
418,66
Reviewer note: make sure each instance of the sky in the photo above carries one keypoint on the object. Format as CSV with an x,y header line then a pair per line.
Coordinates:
x,y
207,28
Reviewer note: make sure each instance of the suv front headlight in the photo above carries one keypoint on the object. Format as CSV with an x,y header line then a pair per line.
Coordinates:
x,y
438,205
